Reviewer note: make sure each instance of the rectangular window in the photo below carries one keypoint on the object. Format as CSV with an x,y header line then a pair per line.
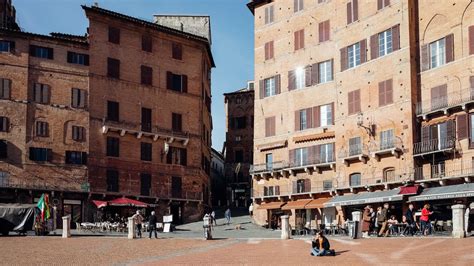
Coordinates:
x,y
177,156
176,187
239,156
114,35
270,88
382,3
269,50
355,146
112,181
352,11
303,121
176,122
77,58
177,82
113,111
113,147
325,71
438,53
385,42
41,52
327,185
300,78
113,68
354,102
298,5
5,88
324,31
177,51
147,43
42,129
41,93
4,124
354,179
299,39
146,119
326,114
270,126
385,92
41,154
386,139
269,161
269,14
7,46
146,75
78,133
301,156
76,157
146,151
3,149
326,154
78,98
240,122
145,184
353,55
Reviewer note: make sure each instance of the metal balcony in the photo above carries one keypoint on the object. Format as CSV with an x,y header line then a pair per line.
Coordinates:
x,y
356,152
434,146
459,99
386,147
461,169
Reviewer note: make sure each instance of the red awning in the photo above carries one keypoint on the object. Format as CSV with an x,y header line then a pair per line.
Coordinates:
x,y
100,203
127,202
409,190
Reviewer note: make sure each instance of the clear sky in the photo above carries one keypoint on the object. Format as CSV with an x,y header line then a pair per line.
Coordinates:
x,y
232,35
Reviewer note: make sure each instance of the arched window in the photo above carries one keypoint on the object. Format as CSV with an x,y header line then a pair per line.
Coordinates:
x,y
389,174
354,179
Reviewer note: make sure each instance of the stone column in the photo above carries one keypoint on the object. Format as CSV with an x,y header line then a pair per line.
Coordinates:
x,y
285,227
357,217
67,226
458,221
131,228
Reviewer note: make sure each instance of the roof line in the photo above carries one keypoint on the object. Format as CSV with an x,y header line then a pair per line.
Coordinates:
x,y
57,37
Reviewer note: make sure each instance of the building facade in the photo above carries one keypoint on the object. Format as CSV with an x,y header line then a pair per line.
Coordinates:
x,y
218,184
238,145
337,110
107,116
8,15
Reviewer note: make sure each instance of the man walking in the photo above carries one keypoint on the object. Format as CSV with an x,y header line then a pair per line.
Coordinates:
x,y
138,218
382,220
227,215
213,216
152,224
410,220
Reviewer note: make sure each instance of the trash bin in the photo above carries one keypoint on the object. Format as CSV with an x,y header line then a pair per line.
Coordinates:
x,y
352,227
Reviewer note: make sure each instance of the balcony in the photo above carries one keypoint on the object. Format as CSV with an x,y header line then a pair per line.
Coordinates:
x,y
268,169
389,147
289,190
444,171
356,152
434,146
458,99
385,179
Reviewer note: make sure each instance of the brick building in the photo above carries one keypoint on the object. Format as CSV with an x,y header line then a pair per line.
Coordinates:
x,y
338,122
238,145
218,184
83,118
8,15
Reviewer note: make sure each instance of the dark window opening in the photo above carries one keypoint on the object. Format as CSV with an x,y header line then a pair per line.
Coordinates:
x,y
147,43
113,147
76,157
113,68
42,129
176,187
114,35
145,184
177,51
146,119
176,122
77,58
41,52
146,151
113,111
4,124
41,154
146,75
78,133
112,181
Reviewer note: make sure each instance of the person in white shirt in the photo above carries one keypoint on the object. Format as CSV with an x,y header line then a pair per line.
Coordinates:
x,y
251,210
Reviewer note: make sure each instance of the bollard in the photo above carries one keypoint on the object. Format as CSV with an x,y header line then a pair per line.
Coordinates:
x,y
285,227
357,218
67,226
131,228
458,221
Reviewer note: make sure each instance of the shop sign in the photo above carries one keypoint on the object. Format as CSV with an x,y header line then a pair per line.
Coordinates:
x,y
445,196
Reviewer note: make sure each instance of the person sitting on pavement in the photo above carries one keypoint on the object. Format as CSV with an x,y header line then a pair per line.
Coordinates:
x,y
320,246
392,222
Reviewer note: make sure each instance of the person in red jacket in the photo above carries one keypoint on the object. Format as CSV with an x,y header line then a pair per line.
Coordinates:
x,y
425,219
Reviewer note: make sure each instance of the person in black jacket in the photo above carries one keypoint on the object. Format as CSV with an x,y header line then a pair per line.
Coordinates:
x,y
320,246
152,224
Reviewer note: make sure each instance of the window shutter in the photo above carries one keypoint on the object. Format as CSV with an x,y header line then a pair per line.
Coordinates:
x,y
297,120
271,14
425,57
185,83
277,190
37,92
379,4
86,60
374,46
46,90
291,80
343,58
307,185
261,87
297,41
309,117
75,97
266,52
12,46
169,80
301,38
317,116
451,130
6,88
357,101
308,76
449,48
267,127
389,91
84,99
396,38
295,187
425,133
315,74
273,124
461,121
350,102
355,8
382,93
349,13
321,31
387,2
332,113
327,30
277,84
471,39
292,157
363,51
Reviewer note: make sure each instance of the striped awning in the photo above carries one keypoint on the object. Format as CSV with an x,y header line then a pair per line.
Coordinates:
x,y
365,198
313,137
445,192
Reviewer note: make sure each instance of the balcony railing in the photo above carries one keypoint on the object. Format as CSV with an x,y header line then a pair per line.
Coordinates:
x,y
454,99
317,161
314,160
355,152
457,169
433,145
268,167
390,146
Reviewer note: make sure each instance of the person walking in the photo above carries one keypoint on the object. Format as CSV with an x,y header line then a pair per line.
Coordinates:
x,y
410,221
152,224
213,216
425,219
383,219
227,215
366,221
138,219
251,210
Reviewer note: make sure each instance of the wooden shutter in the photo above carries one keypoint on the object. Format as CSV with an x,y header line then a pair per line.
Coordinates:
x,y
387,3
471,39
32,50
292,157
357,101
321,31
266,51
295,5
363,51
277,190
425,57
382,93
355,10
350,102
389,91
396,37
271,14
70,56
46,93
6,88
379,4
86,59
309,117
75,98
297,41
291,80
147,43
267,127
261,88
169,80
177,51
317,116
449,48
462,123
451,130
184,85
343,58
307,185
332,113
295,187
349,13
277,84
301,38
374,46
297,120
308,76
327,30
315,74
